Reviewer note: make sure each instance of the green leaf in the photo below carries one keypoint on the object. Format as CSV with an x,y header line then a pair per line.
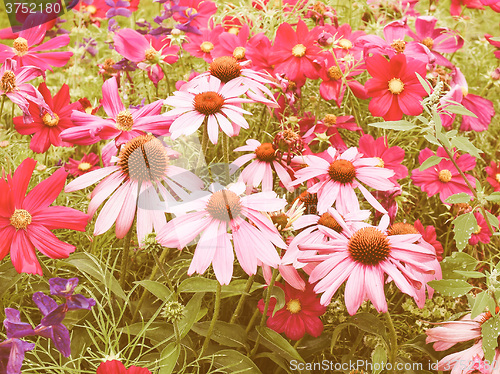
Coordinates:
x,y
470,274
158,289
425,84
231,361
169,357
482,302
493,220
336,333
451,287
432,139
279,295
458,198
459,109
394,125
489,333
200,284
457,261
191,314
155,331
230,335
379,358
278,344
463,227
369,323
431,161
494,197
465,145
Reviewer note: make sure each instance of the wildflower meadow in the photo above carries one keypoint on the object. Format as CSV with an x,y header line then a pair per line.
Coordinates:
x,y
250,186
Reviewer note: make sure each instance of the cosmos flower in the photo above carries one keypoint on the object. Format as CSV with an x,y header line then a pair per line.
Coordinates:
x,y
299,316
193,15
340,174
395,88
483,233
213,215
211,101
364,258
493,177
429,235
142,166
202,45
231,44
116,367
86,164
444,178
26,221
99,9
46,125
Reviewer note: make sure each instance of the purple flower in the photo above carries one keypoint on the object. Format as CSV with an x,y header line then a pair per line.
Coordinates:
x,y
12,355
15,328
65,288
118,8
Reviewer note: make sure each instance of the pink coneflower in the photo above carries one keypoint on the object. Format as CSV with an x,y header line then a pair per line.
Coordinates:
x,y
202,45
341,175
362,257
296,53
47,126
444,178
389,157
493,177
26,221
13,84
123,124
23,49
87,164
261,169
447,334
216,213
395,87
299,316
142,168
211,101
483,233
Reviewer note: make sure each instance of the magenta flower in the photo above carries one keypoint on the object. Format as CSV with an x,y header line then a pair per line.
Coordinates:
x,y
123,124
494,44
340,174
456,6
233,45
142,168
202,45
213,215
389,157
25,51
87,164
483,233
444,178
493,177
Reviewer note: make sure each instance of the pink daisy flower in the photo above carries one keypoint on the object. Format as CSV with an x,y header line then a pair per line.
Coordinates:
x,y
25,51
202,45
444,178
493,177
210,101
483,233
389,157
26,221
340,174
395,88
365,258
299,316
87,164
261,169
142,168
123,124
254,240
47,124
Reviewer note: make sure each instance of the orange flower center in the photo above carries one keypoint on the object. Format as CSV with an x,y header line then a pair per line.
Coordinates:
x,y
294,306
280,221
234,30
327,220
8,81
265,152
224,205
428,42
369,246
21,46
84,166
206,47
226,68
399,45
124,121
310,201
330,120
208,103
396,86
151,54
144,159
342,171
50,120
444,175
299,50
20,219
335,73
239,53
345,43
402,228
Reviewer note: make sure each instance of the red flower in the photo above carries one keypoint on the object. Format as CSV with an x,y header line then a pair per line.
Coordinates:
x,y
429,235
296,53
202,45
47,126
86,164
483,233
390,157
300,314
99,8
26,221
231,44
444,178
493,175
395,87
116,367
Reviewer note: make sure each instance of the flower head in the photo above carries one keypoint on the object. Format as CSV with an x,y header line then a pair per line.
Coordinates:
x,y
116,367
87,164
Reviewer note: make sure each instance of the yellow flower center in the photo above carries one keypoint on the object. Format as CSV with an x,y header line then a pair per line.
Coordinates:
x,y
294,306
465,91
239,53
190,12
497,177
8,81
91,9
330,120
206,47
478,230
299,50
50,120
345,43
335,73
445,175
21,46
234,30
84,166
151,54
396,86
428,42
124,121
381,163
20,219
399,45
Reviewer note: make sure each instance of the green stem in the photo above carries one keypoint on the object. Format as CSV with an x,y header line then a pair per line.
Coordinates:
x,y
393,339
204,145
214,320
1,107
125,253
266,308
241,302
225,150
252,320
159,264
